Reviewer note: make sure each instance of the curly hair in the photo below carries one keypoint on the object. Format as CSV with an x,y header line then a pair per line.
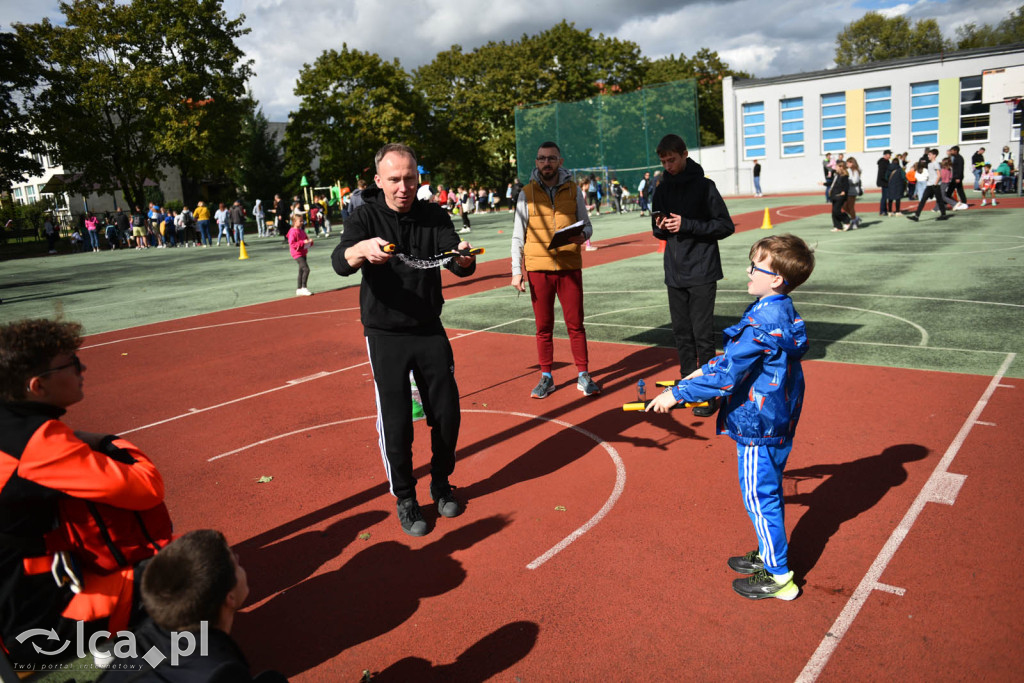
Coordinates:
x,y
27,348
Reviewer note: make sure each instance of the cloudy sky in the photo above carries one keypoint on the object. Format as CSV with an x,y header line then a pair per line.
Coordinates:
x,y
762,37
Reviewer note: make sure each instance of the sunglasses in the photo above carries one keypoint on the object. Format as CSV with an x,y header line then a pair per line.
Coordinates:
x,y
75,363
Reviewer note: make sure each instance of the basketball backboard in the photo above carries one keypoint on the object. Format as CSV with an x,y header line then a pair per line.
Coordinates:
x,y
999,85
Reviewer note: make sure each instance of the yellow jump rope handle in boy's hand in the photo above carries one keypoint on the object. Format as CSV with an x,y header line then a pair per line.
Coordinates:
x,y
642,405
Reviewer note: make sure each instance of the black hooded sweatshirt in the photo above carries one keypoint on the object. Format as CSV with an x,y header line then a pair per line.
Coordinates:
x,y
394,297
691,255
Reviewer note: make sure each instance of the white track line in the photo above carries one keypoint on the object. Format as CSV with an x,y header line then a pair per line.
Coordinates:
x,y
288,384
935,489
210,327
196,411
620,469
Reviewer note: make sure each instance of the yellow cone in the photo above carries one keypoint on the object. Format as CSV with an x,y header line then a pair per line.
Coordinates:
x,y
766,224
243,254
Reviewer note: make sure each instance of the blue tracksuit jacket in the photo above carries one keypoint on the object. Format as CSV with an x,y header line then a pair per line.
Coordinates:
x,y
759,375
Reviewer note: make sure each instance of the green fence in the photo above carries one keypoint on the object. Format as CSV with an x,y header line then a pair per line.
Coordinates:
x,y
614,133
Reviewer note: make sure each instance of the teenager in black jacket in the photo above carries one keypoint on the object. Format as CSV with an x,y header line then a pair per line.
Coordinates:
x,y
688,213
401,313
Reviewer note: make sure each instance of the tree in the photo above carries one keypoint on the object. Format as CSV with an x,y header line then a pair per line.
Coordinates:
x,y
473,96
130,88
260,164
1009,30
18,138
874,38
707,68
351,103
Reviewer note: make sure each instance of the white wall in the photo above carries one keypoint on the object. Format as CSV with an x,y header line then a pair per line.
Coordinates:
x,y
803,173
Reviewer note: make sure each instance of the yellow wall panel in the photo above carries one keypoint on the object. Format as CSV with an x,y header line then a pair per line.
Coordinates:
x,y
854,121
949,112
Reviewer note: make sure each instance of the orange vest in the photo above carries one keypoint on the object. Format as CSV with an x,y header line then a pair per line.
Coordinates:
x,y
545,218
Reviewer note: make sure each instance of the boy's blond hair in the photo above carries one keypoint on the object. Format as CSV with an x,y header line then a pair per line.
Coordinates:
x,y
790,256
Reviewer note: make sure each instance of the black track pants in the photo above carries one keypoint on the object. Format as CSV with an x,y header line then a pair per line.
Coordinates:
x,y
431,361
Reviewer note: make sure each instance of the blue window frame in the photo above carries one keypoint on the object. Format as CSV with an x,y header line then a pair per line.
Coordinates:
x,y
924,113
833,122
791,117
753,130
877,118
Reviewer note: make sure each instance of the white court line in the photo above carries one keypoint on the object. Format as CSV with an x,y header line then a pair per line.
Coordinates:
x,y
197,411
923,332
210,327
871,582
620,469
287,385
802,291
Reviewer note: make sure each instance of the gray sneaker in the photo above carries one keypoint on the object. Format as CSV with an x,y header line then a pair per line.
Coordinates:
x,y
544,387
587,386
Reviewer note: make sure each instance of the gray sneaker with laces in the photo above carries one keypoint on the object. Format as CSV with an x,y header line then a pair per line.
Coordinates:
x,y
544,387
586,385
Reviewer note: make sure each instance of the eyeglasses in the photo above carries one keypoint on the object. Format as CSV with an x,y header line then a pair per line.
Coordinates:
x,y
75,363
766,272
551,159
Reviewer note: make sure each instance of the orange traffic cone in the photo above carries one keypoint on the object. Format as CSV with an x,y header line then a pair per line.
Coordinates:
x,y
766,224
242,253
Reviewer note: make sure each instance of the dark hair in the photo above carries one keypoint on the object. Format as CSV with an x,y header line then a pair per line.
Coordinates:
x,y
790,256
396,147
26,349
671,143
550,144
187,582
888,151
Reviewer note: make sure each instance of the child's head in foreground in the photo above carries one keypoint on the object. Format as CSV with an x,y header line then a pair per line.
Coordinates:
x,y
788,258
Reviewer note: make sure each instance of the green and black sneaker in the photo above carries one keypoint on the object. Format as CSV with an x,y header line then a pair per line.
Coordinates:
x,y
748,564
764,585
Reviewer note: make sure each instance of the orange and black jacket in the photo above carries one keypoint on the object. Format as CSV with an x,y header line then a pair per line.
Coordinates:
x,y
42,462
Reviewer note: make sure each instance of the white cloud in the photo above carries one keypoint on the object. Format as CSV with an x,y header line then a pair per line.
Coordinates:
x,y
766,39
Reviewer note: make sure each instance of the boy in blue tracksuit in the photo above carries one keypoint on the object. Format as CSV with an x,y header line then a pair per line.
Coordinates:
x,y
762,385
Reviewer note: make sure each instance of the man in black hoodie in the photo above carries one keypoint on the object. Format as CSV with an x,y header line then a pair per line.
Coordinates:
x,y
689,214
400,308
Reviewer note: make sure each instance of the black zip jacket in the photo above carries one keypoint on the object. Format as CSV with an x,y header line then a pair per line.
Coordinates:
x,y
691,255
394,297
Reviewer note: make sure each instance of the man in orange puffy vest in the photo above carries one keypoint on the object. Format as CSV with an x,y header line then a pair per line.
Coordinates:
x,y
549,203
49,474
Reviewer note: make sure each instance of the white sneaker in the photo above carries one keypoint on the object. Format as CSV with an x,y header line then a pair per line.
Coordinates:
x,y
993,202
983,202
464,231
303,291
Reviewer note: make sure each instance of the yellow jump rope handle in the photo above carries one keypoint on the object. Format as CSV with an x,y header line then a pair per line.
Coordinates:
x,y
642,405
388,248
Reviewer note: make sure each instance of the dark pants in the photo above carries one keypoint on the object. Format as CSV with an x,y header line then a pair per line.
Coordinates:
x,y
837,212
303,271
932,192
883,201
433,366
956,189
693,311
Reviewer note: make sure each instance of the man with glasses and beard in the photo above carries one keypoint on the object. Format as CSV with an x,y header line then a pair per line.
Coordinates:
x,y
550,202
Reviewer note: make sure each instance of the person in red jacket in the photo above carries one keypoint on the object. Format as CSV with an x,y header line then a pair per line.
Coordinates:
x,y
48,472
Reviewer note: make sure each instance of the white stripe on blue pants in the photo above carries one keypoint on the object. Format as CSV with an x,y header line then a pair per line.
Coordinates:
x,y
760,471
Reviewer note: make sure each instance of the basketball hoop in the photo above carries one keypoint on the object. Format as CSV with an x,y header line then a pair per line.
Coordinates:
x,y
1011,105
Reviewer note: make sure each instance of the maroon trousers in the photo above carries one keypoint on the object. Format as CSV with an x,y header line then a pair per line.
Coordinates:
x,y
567,285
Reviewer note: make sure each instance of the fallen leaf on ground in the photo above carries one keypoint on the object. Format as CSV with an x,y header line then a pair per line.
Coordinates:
x,y
264,479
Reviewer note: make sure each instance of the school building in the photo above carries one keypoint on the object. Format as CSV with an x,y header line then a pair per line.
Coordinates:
x,y
788,123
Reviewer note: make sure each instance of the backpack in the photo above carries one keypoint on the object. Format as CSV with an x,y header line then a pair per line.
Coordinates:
x,y
105,538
